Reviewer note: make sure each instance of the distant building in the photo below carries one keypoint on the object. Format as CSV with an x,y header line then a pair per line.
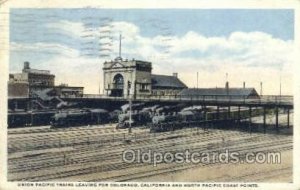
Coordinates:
x,y
69,91
18,89
222,92
124,77
33,81
33,77
166,85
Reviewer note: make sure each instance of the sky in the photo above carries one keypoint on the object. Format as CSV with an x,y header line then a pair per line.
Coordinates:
x,y
250,45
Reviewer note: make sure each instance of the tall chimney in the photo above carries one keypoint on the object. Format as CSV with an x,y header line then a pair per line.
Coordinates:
x,y
175,75
227,87
261,88
244,84
26,65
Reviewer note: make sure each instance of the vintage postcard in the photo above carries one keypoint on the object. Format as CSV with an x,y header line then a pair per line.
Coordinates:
x,y
149,95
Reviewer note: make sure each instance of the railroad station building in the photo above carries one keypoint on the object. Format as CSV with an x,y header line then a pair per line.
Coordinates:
x,y
134,77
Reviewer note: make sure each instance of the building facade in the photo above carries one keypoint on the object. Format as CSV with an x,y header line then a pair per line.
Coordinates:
x,y
165,85
127,77
34,77
30,82
134,77
18,89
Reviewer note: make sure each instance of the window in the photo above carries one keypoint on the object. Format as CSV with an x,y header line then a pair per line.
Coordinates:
x,y
144,87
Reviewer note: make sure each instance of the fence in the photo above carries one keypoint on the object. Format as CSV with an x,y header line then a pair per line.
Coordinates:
x,y
268,99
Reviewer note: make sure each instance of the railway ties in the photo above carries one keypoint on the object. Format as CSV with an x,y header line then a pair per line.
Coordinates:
x,y
88,148
83,132
71,130
193,139
66,140
134,175
61,140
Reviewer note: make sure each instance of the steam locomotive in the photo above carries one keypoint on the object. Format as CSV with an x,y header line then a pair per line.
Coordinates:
x,y
170,122
72,118
137,118
142,117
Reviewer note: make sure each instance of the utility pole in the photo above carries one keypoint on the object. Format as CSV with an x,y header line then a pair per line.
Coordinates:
x,y
197,80
120,45
99,83
130,115
130,107
280,86
261,91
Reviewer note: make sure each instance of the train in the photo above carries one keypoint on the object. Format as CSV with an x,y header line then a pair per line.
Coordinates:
x,y
171,122
137,119
198,117
70,118
142,117
157,118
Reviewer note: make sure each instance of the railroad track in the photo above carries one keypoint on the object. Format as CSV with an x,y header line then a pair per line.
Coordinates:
x,y
118,152
130,176
57,132
48,129
65,139
68,137
87,150
101,168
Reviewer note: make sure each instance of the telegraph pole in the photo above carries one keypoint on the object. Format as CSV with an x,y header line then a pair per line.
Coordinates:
x,y
280,86
130,107
130,115
120,45
197,80
261,88
100,83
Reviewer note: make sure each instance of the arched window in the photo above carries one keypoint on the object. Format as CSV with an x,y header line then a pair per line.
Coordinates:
x,y
118,81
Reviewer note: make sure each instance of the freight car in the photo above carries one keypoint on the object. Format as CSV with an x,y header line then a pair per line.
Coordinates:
x,y
72,118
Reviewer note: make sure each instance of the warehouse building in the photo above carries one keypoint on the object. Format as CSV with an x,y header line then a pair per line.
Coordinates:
x,y
31,82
